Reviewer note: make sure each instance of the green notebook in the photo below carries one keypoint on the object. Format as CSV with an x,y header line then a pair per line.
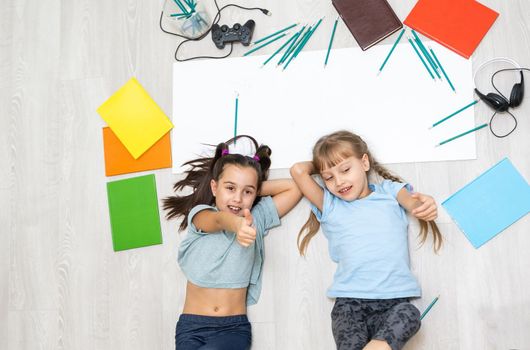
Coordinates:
x,y
133,209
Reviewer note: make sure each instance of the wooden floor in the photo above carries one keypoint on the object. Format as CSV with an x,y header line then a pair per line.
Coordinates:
x,y
63,287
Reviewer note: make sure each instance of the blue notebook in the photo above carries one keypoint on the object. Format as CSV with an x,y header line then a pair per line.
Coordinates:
x,y
490,203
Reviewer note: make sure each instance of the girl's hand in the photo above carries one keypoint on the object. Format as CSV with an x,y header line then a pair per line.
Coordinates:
x,y
245,233
427,209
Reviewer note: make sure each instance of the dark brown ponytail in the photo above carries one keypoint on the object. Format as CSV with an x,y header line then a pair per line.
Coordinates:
x,y
202,170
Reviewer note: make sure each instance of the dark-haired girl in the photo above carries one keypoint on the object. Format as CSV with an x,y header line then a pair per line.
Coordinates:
x,y
228,213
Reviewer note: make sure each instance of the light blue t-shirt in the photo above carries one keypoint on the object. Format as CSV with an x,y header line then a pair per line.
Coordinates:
x,y
217,260
368,240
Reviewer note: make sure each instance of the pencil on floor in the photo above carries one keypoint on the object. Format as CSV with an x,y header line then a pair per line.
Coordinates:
x,y
392,49
295,44
280,49
429,307
264,44
331,40
275,33
303,43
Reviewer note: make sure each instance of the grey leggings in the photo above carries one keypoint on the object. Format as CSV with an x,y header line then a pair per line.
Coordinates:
x,y
357,321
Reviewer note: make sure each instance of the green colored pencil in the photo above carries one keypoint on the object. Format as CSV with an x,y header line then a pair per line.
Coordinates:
x,y
182,8
429,307
303,43
264,44
425,53
235,117
453,114
275,33
421,58
293,37
391,50
331,40
293,48
462,134
442,69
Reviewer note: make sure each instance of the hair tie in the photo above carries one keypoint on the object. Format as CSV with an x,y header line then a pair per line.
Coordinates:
x,y
255,157
224,152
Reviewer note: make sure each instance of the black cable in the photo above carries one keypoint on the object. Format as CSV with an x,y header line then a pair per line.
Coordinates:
x,y
500,93
216,20
501,136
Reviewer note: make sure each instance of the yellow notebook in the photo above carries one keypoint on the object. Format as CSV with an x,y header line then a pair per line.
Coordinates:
x,y
135,118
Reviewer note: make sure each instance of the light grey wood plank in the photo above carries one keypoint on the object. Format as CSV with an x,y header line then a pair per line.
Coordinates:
x,y
66,289
32,330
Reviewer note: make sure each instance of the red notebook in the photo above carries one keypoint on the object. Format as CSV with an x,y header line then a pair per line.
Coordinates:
x,y
459,25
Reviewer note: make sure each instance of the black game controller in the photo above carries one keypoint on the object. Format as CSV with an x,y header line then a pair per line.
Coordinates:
x,y
223,34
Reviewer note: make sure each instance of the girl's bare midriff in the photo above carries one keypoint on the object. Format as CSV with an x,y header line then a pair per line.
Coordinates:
x,y
215,301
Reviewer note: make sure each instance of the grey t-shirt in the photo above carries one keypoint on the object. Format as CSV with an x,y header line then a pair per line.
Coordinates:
x,y
217,260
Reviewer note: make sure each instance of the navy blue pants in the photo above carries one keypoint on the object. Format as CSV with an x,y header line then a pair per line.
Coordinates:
x,y
213,333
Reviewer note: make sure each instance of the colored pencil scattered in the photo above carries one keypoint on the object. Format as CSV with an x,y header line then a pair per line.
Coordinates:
x,y
275,33
293,37
264,44
420,57
331,40
462,134
442,69
453,114
429,307
235,117
392,50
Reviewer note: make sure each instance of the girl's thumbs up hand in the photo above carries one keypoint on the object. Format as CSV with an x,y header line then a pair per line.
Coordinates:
x,y
246,234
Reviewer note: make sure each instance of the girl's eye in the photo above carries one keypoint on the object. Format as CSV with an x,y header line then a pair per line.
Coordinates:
x,y
346,170
230,188
328,178
248,192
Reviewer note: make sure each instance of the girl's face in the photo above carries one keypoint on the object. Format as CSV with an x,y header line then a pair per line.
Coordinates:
x,y
236,189
348,179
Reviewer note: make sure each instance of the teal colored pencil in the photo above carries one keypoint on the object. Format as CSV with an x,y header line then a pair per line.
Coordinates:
x,y
304,42
182,8
293,48
264,44
462,134
429,307
293,37
331,40
235,118
275,33
421,58
310,34
296,35
425,53
297,48
453,114
442,69
392,49
178,15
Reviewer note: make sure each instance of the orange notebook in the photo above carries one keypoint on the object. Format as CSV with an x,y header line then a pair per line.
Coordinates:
x,y
118,160
459,25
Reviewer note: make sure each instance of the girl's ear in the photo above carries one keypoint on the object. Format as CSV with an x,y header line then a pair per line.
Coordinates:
x,y
365,160
213,186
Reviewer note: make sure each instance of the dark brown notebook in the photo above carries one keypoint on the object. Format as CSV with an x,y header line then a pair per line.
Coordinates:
x,y
370,21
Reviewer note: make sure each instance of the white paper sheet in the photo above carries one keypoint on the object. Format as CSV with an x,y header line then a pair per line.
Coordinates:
x,y
289,110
